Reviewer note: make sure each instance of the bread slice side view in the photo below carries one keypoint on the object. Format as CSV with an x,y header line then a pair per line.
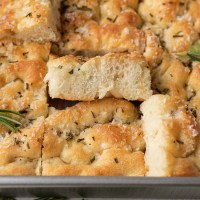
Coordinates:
x,y
118,75
95,138
171,134
30,19
20,151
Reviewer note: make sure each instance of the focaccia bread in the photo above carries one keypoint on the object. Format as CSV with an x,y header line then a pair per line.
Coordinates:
x,y
34,20
22,88
93,28
172,138
119,75
176,22
171,77
13,50
20,152
193,90
95,138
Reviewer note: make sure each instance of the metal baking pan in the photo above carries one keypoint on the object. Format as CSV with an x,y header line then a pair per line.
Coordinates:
x,y
101,187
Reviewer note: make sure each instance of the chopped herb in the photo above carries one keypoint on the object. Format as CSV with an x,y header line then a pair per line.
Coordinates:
x,y
109,19
92,160
192,95
27,86
15,141
70,136
194,112
178,34
60,66
28,146
13,61
83,8
93,115
71,72
80,139
29,15
116,160
20,94
25,53
178,141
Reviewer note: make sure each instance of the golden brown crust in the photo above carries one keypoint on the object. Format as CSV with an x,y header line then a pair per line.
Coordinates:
x,y
15,50
21,151
79,140
162,12
22,88
171,77
180,36
114,26
34,22
171,136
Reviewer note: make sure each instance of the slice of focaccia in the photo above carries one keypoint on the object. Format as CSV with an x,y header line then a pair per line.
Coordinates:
x,y
20,152
22,88
30,19
98,138
95,27
172,137
119,75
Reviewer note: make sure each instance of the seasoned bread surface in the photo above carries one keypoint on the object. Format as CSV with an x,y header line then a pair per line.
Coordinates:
x,y
171,134
100,137
30,19
22,88
13,50
21,151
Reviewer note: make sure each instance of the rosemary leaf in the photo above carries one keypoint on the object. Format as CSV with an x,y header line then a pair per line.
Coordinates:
x,y
9,118
8,121
11,111
193,53
8,125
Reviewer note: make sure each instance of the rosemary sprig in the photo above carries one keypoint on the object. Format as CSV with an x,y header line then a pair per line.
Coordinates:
x,y
8,121
193,53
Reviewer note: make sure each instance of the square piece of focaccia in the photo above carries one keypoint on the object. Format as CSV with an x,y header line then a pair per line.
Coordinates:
x,y
98,138
175,21
178,79
13,50
36,20
119,75
94,27
171,133
20,151
22,88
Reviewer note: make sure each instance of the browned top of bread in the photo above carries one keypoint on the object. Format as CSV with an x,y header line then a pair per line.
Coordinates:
x,y
81,140
36,21
172,137
14,50
98,27
22,88
21,151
